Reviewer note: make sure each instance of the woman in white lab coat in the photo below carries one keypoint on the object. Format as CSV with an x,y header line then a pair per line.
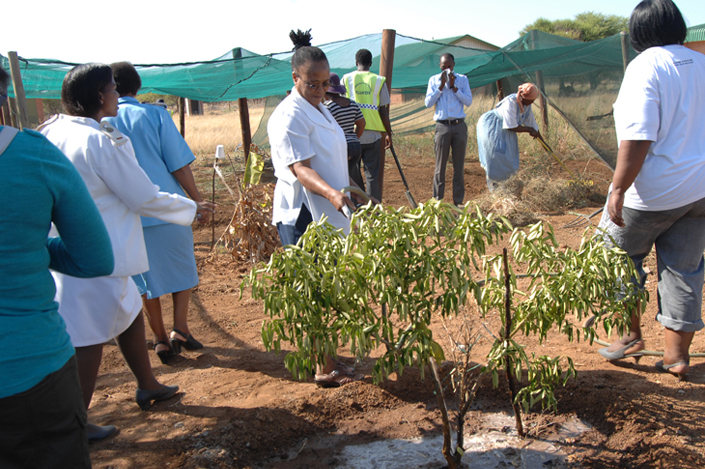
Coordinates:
x,y
309,154
106,308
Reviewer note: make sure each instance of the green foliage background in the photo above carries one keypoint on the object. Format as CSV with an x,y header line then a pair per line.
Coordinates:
x,y
585,27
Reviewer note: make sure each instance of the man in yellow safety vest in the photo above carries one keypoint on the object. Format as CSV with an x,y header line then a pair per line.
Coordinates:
x,y
369,91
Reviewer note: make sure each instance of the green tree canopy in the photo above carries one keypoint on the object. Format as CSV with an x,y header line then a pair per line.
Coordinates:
x,y
587,26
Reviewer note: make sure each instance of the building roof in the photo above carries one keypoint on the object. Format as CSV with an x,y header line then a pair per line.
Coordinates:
x,y
696,33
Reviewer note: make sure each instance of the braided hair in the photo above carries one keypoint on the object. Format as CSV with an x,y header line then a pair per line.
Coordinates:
x,y
303,51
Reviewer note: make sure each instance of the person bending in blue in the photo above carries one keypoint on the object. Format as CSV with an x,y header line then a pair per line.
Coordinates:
x,y
497,130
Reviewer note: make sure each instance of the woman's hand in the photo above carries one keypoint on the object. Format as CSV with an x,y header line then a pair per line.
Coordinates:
x,y
204,211
615,204
630,159
340,200
534,133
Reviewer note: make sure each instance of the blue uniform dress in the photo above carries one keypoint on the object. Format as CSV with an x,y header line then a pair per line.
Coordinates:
x,y
160,150
498,147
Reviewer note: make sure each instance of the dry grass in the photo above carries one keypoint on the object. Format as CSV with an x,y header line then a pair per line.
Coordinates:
x,y
219,126
523,202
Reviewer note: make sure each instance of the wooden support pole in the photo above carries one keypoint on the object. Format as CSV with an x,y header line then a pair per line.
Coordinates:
x,y
18,88
625,49
243,109
543,104
12,106
6,114
245,126
542,90
500,90
386,64
182,116
40,110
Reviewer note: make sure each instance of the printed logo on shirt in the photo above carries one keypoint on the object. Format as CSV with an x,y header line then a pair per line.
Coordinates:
x,y
678,63
363,88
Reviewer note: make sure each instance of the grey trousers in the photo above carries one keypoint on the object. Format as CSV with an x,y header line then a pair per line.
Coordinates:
x,y
679,237
371,154
450,139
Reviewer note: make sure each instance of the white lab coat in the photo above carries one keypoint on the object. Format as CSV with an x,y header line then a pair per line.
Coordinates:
x,y
298,132
97,310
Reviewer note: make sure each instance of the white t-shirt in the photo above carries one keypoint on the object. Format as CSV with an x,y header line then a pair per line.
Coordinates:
x,y
298,132
662,99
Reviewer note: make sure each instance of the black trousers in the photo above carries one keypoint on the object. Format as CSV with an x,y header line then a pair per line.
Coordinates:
x,y
45,427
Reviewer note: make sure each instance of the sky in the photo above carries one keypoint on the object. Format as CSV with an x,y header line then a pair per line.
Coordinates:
x,y
151,32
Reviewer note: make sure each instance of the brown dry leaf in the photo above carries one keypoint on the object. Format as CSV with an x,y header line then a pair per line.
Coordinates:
x,y
250,236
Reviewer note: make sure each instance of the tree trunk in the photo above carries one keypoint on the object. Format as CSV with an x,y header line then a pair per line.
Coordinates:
x,y
507,331
449,453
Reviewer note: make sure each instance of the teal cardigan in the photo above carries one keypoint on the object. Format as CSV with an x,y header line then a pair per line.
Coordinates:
x,y
38,186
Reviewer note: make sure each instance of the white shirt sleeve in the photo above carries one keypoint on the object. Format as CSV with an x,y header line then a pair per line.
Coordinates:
x,y
637,109
290,140
124,176
384,99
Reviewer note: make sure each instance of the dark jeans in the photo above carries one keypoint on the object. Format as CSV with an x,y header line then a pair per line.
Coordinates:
x,y
45,427
354,159
290,234
450,138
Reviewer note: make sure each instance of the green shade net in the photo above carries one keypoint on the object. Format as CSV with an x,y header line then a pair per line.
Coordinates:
x,y
581,80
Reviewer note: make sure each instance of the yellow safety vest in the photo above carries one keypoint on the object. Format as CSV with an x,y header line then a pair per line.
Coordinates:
x,y
364,88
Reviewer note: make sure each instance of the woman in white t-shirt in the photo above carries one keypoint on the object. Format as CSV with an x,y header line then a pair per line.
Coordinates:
x,y
309,154
657,195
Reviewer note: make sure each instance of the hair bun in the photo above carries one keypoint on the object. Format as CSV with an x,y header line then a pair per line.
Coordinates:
x,y
300,38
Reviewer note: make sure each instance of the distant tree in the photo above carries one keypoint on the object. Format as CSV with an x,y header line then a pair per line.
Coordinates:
x,y
588,26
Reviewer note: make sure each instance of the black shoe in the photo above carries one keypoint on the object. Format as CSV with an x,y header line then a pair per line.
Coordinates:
x,y
99,433
144,397
189,344
164,355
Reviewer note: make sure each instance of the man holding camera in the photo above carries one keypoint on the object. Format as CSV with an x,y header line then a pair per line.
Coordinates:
x,y
449,92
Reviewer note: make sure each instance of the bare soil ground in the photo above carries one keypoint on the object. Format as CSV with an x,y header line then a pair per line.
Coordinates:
x,y
239,407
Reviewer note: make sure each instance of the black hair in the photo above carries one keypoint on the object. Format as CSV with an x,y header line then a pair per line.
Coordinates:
x,y
4,80
363,57
448,55
303,51
80,92
656,23
127,79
